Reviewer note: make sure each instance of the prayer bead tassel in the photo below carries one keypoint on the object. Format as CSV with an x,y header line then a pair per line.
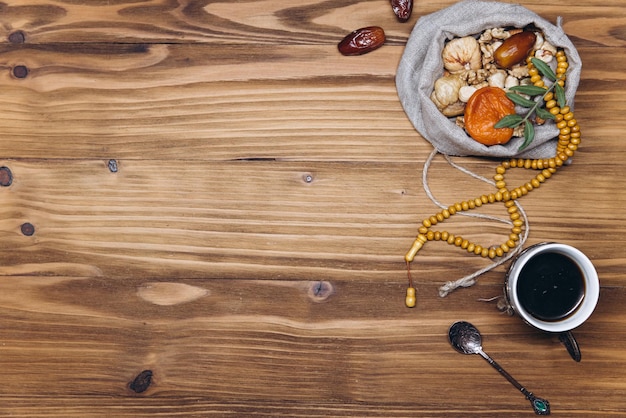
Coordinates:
x,y
410,297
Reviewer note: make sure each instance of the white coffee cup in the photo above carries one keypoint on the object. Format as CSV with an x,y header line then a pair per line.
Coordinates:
x,y
552,287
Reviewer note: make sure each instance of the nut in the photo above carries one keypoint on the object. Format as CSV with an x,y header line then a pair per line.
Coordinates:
x,y
546,52
510,81
497,79
466,92
362,41
544,55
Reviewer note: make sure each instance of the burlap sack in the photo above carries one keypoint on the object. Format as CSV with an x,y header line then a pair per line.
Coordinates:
x,y
421,65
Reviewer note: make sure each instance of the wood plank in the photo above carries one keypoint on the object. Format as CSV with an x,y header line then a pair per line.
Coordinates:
x,y
272,220
120,102
298,351
210,192
260,22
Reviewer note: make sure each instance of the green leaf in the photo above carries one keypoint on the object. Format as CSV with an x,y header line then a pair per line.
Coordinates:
x,y
560,95
529,131
529,90
529,134
544,114
522,101
544,69
509,121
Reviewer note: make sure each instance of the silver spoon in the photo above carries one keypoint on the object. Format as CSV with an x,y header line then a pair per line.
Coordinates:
x,y
466,339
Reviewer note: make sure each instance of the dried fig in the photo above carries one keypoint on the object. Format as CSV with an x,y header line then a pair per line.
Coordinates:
x,y
362,41
462,54
446,95
402,9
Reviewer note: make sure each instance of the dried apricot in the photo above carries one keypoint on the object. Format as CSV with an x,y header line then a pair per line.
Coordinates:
x,y
483,110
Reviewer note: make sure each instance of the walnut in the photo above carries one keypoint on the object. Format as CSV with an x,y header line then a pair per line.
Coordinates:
x,y
474,77
490,35
495,33
491,68
462,54
519,71
487,50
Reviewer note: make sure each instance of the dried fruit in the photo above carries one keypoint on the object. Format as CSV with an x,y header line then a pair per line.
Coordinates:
x,y
462,54
402,9
362,41
446,95
514,49
483,110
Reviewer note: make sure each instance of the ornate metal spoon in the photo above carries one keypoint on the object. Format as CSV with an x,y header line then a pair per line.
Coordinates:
x,y
466,339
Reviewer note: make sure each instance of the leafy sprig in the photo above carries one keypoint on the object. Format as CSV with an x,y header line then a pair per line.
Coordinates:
x,y
535,106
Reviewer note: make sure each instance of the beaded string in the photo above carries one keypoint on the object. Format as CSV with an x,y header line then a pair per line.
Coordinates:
x,y
568,141
470,279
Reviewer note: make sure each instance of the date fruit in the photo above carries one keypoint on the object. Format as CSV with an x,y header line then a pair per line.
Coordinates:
x,y
514,49
402,9
362,41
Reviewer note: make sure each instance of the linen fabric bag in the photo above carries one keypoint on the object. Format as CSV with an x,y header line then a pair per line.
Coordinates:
x,y
421,65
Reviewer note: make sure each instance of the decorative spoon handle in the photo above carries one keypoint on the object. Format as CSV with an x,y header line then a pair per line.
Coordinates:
x,y
540,406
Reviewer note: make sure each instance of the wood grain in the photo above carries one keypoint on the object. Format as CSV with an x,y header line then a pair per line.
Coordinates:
x,y
218,197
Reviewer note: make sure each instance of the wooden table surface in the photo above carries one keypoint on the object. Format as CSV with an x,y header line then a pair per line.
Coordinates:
x,y
208,200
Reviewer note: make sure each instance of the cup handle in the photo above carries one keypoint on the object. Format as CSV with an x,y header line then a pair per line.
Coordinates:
x,y
570,343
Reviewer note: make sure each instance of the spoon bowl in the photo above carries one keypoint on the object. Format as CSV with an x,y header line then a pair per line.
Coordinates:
x,y
465,338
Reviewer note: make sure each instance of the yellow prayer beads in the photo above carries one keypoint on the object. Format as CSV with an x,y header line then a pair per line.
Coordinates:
x,y
568,142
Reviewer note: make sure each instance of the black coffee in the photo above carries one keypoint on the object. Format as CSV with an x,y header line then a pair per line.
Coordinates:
x,y
550,286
